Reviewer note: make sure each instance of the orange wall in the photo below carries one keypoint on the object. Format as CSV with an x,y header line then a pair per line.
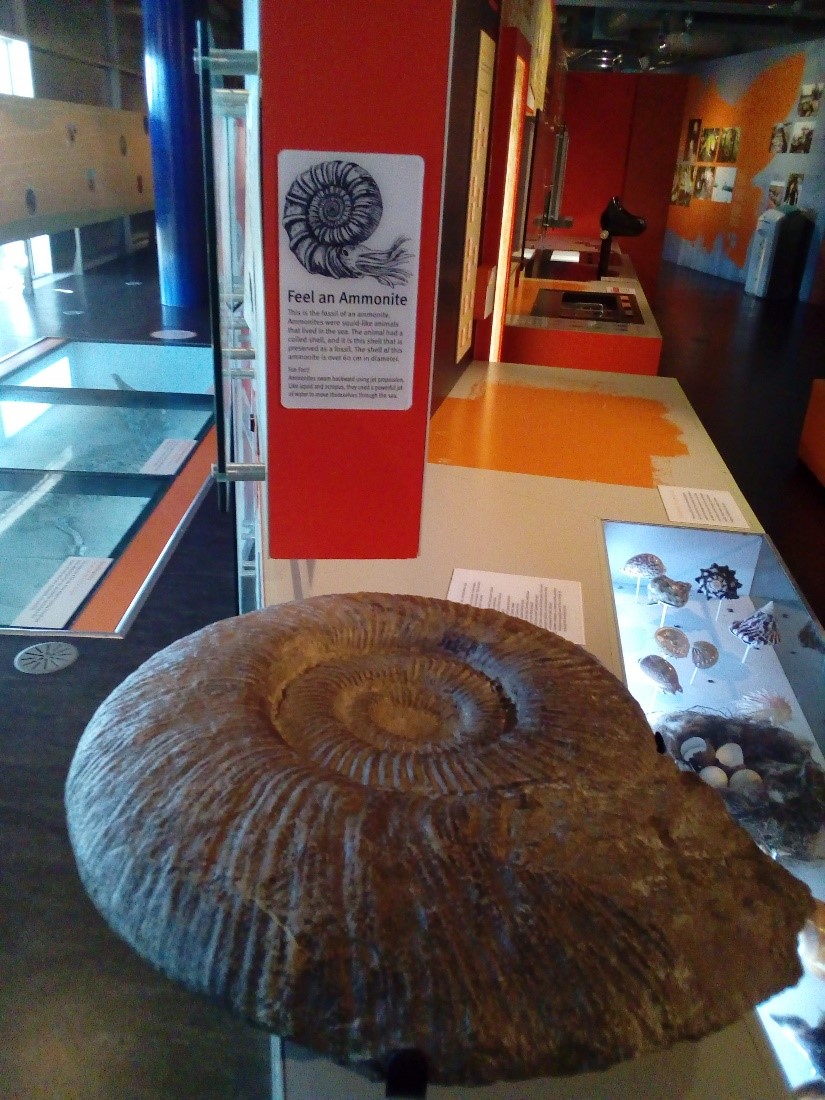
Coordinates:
x,y
768,99
624,131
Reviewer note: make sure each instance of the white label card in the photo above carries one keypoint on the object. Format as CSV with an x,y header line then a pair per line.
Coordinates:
x,y
349,240
552,604
63,593
702,507
168,457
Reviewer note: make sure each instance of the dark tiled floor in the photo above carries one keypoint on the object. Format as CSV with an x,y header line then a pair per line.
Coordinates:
x,y
117,301
746,366
81,1017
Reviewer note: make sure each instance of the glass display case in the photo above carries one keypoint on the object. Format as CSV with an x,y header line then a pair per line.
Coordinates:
x,y
728,663
230,117
91,437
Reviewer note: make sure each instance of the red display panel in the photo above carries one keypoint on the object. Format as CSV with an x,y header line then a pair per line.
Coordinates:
x,y
368,78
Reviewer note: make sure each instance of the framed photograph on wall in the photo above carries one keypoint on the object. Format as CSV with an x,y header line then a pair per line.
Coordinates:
x,y
723,185
793,188
708,144
728,149
694,133
802,135
780,138
776,193
810,96
682,189
703,182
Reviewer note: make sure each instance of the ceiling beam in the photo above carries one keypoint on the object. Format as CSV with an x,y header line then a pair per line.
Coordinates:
x,y
795,10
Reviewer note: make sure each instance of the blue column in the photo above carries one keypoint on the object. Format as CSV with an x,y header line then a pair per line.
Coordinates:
x,y
175,133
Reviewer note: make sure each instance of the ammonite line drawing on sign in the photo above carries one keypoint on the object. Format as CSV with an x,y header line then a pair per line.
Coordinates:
x,y
330,210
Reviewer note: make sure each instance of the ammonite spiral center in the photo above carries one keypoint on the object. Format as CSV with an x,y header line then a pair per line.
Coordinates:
x,y
367,716
328,211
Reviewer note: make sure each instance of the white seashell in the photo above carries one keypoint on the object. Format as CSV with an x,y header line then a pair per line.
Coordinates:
x,y
730,755
744,779
644,565
713,776
691,746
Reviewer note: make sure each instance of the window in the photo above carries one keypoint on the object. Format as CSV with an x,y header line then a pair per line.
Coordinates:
x,y
15,67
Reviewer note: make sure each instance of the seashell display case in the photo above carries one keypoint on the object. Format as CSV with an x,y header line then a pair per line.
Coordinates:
x,y
733,682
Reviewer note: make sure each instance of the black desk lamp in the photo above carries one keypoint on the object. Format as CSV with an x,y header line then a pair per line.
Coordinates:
x,y
616,222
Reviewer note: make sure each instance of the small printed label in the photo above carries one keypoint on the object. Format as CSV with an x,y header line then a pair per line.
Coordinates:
x,y
552,604
63,593
169,457
703,507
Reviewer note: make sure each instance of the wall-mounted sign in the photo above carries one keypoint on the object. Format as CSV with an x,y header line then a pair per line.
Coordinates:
x,y
349,245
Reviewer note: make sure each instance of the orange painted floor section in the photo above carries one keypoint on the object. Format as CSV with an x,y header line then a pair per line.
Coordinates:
x,y
582,436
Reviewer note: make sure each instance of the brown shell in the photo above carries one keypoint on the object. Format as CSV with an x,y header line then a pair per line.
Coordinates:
x,y
661,672
704,654
379,822
666,590
672,640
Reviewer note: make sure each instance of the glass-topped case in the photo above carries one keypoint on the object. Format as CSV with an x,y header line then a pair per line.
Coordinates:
x,y
728,664
91,437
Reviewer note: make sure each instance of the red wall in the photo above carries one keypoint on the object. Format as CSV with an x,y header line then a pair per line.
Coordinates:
x,y
351,76
624,134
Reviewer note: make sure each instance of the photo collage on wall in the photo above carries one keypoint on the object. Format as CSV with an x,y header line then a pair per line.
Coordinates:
x,y
794,136
705,170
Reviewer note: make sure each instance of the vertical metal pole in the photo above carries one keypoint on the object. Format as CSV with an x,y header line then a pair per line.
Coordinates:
x,y
210,223
276,1057
175,133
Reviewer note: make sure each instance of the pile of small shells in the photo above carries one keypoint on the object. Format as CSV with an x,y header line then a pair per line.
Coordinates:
x,y
768,779
722,767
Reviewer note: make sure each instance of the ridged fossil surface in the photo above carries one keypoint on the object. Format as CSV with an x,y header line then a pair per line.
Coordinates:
x,y
375,822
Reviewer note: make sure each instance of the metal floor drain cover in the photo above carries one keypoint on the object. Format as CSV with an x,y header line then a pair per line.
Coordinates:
x,y
45,657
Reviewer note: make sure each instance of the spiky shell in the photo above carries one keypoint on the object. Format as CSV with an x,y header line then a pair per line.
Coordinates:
x,y
718,582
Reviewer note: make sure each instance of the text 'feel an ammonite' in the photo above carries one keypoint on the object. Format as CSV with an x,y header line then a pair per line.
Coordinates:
x,y
374,822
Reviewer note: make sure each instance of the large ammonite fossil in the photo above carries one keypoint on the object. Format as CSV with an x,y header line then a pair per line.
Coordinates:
x,y
329,212
374,823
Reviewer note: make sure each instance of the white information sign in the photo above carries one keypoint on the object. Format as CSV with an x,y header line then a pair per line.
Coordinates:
x,y
168,457
702,507
63,593
552,604
349,245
